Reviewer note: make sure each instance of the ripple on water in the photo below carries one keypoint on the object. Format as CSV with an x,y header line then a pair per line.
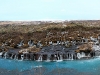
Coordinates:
x,y
83,66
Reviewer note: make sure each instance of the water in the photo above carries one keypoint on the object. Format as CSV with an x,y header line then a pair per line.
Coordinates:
x,y
48,57
22,57
40,58
91,66
5,55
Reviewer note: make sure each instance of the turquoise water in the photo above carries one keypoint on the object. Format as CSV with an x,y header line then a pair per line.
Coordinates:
x,y
85,66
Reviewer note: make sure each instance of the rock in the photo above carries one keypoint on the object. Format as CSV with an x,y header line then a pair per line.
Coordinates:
x,y
85,47
30,50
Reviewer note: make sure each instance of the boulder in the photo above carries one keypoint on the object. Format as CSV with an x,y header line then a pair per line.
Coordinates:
x,y
85,47
32,49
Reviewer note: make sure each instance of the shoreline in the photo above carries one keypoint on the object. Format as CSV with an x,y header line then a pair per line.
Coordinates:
x,y
44,41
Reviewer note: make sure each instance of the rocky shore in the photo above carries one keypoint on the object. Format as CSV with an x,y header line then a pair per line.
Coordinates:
x,y
57,51
50,41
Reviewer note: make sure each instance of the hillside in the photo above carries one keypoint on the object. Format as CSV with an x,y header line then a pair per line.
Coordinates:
x,y
31,26
46,31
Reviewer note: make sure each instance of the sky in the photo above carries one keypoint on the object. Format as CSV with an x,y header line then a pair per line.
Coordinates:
x,y
49,10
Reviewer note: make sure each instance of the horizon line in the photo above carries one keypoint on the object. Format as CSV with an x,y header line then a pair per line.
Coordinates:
x,y
55,20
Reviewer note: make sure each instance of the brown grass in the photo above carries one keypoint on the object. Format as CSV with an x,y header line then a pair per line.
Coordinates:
x,y
39,32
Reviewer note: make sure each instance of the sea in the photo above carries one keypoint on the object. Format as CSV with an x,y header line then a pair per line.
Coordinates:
x,y
68,67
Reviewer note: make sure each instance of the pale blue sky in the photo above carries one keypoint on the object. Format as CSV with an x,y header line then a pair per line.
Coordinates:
x,y
49,9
